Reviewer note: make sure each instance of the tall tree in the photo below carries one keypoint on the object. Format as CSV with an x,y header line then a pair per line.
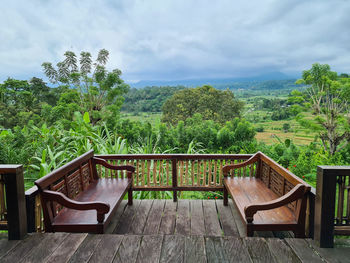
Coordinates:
x,y
319,79
329,96
100,90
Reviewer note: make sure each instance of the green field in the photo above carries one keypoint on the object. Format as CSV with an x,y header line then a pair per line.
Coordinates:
x,y
151,117
298,134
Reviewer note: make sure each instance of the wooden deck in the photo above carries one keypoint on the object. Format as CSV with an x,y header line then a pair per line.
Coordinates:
x,y
164,231
185,217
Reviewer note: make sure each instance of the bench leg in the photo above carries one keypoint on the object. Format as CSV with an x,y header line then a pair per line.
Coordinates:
x,y
225,196
130,196
250,231
299,234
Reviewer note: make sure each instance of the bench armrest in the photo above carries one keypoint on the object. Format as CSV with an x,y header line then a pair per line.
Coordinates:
x,y
251,160
100,207
296,193
129,168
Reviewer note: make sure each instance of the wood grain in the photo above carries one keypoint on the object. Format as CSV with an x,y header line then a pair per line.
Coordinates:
x,y
197,217
154,217
173,249
167,225
183,223
150,248
128,249
212,225
195,249
65,251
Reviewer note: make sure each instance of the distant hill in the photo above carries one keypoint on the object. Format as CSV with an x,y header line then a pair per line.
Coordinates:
x,y
216,82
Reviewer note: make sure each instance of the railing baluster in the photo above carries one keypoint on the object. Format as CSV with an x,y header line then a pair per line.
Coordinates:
x,y
186,173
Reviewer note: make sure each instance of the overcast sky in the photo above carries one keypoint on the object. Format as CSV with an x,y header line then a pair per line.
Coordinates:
x,y
168,40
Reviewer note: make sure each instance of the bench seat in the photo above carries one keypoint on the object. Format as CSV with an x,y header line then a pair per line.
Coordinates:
x,y
107,190
246,191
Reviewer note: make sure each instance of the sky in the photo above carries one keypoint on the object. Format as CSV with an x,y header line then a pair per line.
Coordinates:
x,y
182,39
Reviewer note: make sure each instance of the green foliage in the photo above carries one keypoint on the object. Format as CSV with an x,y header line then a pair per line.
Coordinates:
x,y
286,127
212,104
148,99
100,92
329,97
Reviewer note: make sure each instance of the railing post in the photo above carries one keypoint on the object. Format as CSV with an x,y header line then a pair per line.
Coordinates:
x,y
310,213
174,177
30,207
15,201
325,204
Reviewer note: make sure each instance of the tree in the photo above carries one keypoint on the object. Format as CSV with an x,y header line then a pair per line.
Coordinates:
x,y
100,91
318,78
329,96
212,104
286,127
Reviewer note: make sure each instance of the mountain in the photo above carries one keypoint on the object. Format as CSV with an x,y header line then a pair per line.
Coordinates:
x,y
211,81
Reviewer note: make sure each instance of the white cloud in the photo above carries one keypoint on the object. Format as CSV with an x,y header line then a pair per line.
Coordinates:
x,y
177,39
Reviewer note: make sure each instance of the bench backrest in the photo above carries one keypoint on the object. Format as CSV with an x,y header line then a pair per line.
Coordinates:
x,y
70,179
277,178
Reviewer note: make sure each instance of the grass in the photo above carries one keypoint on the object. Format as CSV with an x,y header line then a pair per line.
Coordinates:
x,y
151,117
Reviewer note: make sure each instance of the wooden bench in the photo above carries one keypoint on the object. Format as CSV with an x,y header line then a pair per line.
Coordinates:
x,y
272,200
75,198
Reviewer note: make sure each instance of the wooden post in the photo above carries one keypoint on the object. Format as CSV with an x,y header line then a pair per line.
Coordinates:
x,y
310,213
174,175
15,201
325,203
30,207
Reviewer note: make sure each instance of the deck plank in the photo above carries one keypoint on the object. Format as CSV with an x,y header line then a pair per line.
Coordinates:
x,y
238,219
195,249
215,251
123,226
24,247
336,254
7,245
154,218
226,218
150,249
128,249
183,220
235,249
173,249
281,251
106,249
116,217
67,248
259,250
303,250
86,249
197,217
167,225
140,218
47,246
211,221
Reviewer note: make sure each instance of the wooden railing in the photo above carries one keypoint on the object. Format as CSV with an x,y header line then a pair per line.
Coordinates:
x,y
169,172
178,172
332,211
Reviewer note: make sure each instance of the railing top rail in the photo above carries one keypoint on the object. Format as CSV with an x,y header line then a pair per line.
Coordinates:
x,y
335,168
174,156
9,168
33,191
